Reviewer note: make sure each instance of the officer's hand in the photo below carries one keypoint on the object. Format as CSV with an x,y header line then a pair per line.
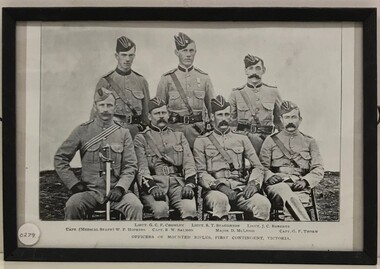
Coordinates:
x,y
187,192
231,194
299,185
274,180
115,194
250,190
79,187
158,194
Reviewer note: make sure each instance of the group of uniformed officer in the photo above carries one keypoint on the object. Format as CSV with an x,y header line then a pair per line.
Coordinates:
x,y
185,137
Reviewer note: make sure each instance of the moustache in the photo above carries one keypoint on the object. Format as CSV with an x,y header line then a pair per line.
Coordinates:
x,y
223,123
161,121
254,76
290,125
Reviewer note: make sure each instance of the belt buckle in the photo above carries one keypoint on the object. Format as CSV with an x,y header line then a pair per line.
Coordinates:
x,y
227,173
165,170
186,119
253,128
129,119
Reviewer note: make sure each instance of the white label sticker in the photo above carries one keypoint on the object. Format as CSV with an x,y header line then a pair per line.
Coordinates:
x,y
28,234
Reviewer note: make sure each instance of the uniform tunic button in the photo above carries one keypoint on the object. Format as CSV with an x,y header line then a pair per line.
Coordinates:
x,y
257,99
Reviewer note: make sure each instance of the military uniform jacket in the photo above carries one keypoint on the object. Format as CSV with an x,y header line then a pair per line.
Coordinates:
x,y
197,86
124,165
264,99
305,154
136,90
209,160
170,143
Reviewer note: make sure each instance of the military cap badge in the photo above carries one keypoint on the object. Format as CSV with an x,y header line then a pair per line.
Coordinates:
x,y
252,60
102,94
182,41
288,106
124,44
156,102
218,103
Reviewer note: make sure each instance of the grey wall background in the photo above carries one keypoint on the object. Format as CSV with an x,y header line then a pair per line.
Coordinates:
x,y
303,60
182,3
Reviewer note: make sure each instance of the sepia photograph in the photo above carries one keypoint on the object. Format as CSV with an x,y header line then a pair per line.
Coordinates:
x,y
190,135
200,122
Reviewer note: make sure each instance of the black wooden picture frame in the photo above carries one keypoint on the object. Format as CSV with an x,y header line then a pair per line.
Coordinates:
x,y
367,16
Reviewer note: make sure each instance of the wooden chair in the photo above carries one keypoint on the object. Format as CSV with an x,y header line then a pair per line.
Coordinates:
x,y
100,214
277,214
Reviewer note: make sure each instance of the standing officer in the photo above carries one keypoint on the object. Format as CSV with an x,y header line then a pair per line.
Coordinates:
x,y
130,89
293,164
220,159
187,91
98,140
167,172
255,106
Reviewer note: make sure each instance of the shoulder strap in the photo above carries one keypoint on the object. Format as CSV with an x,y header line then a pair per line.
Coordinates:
x,y
284,150
120,93
224,153
99,137
181,92
153,146
246,99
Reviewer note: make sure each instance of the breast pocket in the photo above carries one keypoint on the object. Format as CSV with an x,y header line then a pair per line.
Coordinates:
x,y
136,101
305,159
177,154
268,105
278,158
212,158
92,154
243,111
134,98
175,100
198,99
237,156
116,156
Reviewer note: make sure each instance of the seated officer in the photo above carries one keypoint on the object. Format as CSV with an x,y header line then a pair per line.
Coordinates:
x,y
220,158
97,140
293,164
166,166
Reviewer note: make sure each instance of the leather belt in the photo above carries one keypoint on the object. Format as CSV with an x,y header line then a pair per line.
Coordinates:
x,y
130,119
290,170
175,118
165,170
235,175
254,128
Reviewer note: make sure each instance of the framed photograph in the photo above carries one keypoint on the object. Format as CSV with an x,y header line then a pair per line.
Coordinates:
x,y
237,135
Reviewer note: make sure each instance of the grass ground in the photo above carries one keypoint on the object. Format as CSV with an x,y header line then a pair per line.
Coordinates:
x,y
53,196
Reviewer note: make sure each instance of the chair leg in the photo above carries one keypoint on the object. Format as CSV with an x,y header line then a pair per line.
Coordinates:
x,y
314,202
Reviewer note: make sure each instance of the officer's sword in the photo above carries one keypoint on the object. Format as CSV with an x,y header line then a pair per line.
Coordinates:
x,y
106,158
